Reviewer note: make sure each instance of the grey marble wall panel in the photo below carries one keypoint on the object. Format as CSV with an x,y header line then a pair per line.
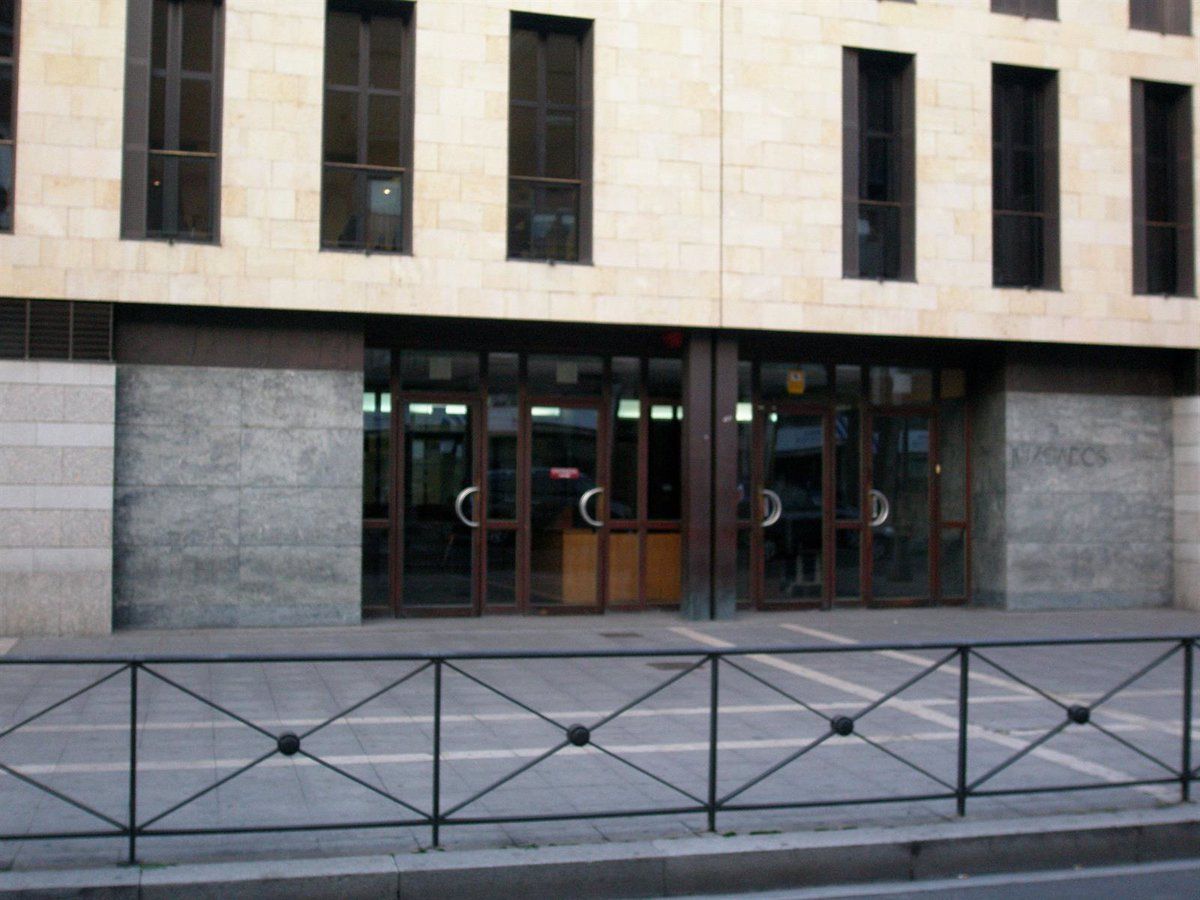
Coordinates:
x,y
309,457
1078,510
239,496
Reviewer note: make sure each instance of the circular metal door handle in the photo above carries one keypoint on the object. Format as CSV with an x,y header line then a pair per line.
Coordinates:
x,y
880,508
775,506
458,505
583,502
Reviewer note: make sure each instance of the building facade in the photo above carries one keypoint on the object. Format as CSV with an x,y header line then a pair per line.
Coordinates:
x,y
322,310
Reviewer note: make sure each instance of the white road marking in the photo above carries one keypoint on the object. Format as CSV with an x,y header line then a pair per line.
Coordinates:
x,y
1165,727
34,769
921,711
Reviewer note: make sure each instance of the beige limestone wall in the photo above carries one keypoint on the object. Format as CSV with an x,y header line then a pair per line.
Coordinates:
x,y
717,169
56,497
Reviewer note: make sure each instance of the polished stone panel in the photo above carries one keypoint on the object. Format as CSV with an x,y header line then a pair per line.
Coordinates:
x,y
239,495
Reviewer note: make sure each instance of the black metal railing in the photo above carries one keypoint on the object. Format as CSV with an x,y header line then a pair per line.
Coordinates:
x,y
707,798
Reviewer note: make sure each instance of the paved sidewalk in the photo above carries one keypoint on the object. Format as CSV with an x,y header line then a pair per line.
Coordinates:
x,y
907,746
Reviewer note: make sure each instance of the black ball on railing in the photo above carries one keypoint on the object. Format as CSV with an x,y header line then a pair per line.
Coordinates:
x,y
288,743
1080,715
579,735
842,725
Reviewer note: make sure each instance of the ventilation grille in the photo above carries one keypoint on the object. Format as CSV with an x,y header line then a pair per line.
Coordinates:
x,y
55,329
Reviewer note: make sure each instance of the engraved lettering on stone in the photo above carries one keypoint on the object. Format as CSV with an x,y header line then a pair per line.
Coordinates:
x,y
1076,456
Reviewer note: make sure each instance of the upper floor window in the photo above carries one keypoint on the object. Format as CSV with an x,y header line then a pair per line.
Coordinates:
x,y
367,172
1024,177
8,96
878,222
173,70
1030,9
1166,16
1163,257
549,138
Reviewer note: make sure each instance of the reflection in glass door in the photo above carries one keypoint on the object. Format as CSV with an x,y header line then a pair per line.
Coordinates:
x,y
898,506
793,495
566,506
440,506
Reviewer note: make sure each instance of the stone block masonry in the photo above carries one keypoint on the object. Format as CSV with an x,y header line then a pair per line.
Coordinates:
x,y
238,497
56,497
1187,501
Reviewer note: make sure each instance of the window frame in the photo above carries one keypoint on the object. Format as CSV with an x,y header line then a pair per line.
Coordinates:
x,y
11,142
405,12
1043,83
139,74
1026,9
1180,161
582,31
901,68
1161,16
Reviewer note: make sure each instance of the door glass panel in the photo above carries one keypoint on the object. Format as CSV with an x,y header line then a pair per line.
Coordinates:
x,y
900,473
743,566
665,462
375,580
792,546
432,371
501,588
564,547
502,457
898,386
573,375
846,440
626,422
744,416
438,545
809,381
847,564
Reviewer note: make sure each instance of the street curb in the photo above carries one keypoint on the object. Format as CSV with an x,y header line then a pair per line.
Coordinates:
x,y
704,865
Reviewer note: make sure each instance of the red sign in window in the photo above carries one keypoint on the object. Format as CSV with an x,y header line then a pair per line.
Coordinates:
x,y
564,473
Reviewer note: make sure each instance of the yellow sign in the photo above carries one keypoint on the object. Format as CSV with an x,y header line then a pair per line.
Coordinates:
x,y
795,381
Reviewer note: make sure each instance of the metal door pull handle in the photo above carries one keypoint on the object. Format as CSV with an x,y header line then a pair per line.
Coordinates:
x,y
583,502
880,508
774,508
458,505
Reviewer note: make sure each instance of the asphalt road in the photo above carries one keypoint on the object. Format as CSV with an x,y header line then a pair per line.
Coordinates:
x,y
1148,881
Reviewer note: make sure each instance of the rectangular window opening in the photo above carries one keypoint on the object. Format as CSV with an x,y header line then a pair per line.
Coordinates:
x,y
366,183
8,104
1163,16
549,147
1024,178
879,166
1163,250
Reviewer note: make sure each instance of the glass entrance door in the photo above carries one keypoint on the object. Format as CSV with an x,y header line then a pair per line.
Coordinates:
x,y
795,518
899,507
567,506
440,510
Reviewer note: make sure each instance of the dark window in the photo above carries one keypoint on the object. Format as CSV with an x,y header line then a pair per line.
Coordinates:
x,y
367,175
549,139
1162,189
172,119
1024,178
1030,9
1166,16
55,329
8,102
879,172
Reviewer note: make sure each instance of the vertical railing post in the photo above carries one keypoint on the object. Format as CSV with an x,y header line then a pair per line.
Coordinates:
x,y
437,750
133,722
713,705
1186,755
964,681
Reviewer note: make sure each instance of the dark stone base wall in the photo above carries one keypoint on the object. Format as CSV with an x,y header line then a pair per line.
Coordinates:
x,y
1073,490
238,497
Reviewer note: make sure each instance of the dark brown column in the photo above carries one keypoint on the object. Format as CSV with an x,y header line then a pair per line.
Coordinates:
x,y
725,473
697,596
